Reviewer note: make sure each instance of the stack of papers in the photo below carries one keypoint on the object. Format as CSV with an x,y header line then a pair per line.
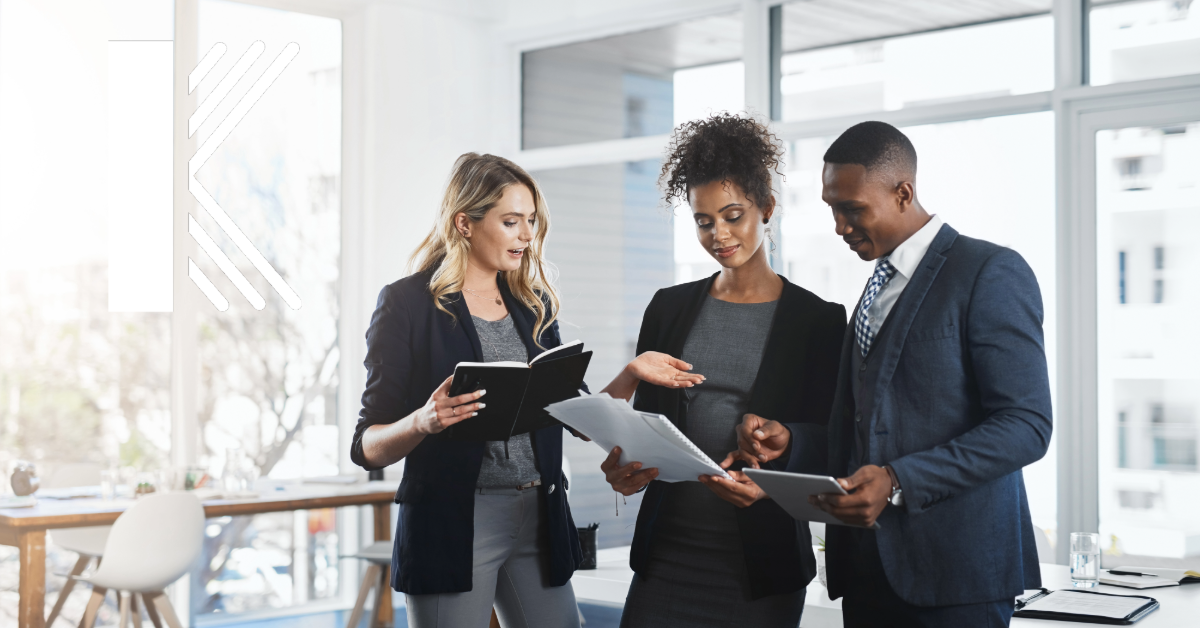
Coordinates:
x,y
650,439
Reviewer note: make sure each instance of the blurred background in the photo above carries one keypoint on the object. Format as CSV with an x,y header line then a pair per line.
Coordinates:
x,y
1068,130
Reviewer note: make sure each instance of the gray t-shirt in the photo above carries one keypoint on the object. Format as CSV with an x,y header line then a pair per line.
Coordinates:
x,y
511,463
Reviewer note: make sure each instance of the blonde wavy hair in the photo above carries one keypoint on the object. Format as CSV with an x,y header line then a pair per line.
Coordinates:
x,y
476,184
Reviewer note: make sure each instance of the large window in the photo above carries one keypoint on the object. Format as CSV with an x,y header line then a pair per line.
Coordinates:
x,y
631,85
842,58
1147,204
1141,39
268,373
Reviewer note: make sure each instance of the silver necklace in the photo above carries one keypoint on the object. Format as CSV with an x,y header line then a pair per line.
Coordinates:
x,y
495,299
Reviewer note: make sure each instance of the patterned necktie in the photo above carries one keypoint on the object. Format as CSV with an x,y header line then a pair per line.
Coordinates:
x,y
884,271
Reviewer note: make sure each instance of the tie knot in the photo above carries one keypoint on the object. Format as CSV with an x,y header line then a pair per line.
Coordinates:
x,y
884,268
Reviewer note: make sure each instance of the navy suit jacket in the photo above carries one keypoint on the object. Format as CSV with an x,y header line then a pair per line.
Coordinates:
x,y
959,404
794,386
411,348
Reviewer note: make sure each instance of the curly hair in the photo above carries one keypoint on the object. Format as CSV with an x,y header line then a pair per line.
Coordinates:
x,y
722,147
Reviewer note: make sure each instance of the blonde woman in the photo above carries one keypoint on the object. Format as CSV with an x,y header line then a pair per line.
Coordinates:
x,y
481,524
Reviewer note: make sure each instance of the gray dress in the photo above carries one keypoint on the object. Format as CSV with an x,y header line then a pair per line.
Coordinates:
x,y
697,571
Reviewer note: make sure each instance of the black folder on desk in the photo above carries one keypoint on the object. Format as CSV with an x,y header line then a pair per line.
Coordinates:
x,y
518,393
1074,605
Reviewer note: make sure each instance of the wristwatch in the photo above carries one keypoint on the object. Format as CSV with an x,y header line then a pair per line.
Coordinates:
x,y
897,496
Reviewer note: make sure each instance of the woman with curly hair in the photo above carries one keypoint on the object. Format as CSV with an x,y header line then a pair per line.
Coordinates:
x,y
715,552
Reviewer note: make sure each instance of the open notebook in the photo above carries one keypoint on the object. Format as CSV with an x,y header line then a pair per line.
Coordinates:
x,y
650,439
518,393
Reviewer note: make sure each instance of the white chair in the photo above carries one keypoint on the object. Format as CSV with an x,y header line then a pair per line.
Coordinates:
x,y
150,546
379,558
87,542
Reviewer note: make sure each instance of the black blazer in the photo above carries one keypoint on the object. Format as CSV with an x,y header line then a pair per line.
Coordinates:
x,y
794,386
411,348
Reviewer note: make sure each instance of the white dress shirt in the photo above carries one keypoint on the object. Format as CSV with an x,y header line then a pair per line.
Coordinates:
x,y
905,260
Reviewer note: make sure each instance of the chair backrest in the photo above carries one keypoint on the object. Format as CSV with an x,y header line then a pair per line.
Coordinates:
x,y
153,543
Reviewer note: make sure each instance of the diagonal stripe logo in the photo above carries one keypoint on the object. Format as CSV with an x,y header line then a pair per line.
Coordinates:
x,y
206,150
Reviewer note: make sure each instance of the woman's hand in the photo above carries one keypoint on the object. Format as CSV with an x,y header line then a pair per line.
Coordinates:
x,y
740,492
661,369
442,410
626,480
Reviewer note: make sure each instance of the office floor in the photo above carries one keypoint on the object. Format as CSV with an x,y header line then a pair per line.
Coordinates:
x,y
595,617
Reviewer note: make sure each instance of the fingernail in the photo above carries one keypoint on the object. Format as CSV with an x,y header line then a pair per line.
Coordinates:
x,y
481,393
762,457
474,414
482,406
759,434
637,465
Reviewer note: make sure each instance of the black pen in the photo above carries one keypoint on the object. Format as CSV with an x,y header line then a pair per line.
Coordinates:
x,y
1130,573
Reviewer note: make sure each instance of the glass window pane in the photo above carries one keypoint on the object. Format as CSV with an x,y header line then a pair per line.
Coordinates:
x,y
842,58
1142,39
81,387
631,85
951,182
612,244
1147,206
268,378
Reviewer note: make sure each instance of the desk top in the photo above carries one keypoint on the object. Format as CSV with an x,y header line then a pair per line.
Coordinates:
x,y
69,513
608,584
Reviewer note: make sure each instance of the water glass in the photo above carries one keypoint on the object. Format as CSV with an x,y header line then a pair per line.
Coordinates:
x,y
1085,559
108,483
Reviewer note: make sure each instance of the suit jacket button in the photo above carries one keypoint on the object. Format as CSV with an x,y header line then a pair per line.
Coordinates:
x,y
858,416
862,367
551,490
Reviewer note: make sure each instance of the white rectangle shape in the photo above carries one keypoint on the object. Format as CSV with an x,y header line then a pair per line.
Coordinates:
x,y
792,490
139,176
141,20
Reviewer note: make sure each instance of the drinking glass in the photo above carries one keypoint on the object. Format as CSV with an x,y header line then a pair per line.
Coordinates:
x,y
108,483
1085,559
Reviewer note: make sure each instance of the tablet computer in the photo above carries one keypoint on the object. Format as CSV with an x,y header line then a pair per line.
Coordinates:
x,y
791,491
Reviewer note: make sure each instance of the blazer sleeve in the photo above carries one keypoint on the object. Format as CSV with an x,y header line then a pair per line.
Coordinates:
x,y
1007,354
389,365
810,433
645,397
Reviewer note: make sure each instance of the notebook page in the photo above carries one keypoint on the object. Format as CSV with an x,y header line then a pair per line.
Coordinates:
x,y
1077,603
550,353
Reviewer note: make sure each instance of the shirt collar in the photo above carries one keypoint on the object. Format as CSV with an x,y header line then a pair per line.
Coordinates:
x,y
909,254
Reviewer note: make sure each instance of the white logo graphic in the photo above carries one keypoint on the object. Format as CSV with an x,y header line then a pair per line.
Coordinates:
x,y
206,150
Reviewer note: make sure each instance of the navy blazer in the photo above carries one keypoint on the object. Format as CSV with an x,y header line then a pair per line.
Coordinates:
x,y
411,348
959,404
794,386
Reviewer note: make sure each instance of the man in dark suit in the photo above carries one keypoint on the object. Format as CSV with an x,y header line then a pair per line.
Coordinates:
x,y
942,397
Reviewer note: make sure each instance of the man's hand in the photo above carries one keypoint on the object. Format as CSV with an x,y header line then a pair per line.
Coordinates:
x,y
626,480
870,487
741,492
762,440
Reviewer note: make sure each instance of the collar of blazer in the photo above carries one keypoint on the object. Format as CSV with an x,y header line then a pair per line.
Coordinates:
x,y
523,320
894,332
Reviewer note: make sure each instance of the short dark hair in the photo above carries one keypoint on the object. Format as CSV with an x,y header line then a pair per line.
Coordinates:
x,y
722,147
876,146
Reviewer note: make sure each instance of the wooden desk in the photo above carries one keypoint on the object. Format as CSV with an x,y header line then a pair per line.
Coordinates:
x,y
25,528
607,585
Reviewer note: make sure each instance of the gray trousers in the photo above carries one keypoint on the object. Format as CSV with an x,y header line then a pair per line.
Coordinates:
x,y
507,572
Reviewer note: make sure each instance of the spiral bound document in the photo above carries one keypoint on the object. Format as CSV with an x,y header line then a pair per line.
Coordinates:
x,y
650,439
